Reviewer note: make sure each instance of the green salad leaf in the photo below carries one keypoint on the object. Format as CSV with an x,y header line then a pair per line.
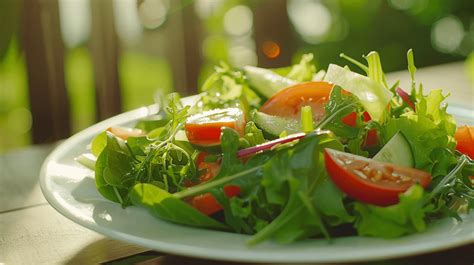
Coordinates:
x,y
304,70
162,204
406,217
296,181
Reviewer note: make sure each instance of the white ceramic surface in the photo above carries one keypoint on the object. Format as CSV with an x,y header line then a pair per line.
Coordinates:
x,y
70,189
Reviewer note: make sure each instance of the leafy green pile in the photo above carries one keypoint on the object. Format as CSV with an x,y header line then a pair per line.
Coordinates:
x,y
286,194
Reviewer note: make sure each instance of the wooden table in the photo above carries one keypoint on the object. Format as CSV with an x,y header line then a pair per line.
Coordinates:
x,y
32,232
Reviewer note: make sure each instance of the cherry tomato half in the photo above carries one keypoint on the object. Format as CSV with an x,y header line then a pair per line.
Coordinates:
x,y
206,203
372,138
288,102
465,138
204,129
371,181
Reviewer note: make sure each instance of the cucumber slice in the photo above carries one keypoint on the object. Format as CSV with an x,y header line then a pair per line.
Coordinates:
x,y
275,125
265,81
396,151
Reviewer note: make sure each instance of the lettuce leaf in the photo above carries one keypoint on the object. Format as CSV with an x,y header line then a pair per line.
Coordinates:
x,y
304,70
372,95
429,132
406,217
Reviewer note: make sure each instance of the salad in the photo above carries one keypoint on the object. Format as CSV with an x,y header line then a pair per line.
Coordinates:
x,y
294,153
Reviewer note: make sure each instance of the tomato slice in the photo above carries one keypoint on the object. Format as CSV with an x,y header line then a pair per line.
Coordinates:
x,y
465,137
288,102
371,181
204,129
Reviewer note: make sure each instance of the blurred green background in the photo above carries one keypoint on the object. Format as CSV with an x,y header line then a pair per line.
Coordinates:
x,y
166,45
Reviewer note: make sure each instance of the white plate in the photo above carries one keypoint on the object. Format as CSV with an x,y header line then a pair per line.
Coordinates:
x,y
70,189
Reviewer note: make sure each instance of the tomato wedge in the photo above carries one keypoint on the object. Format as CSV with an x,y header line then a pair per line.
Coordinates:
x,y
288,102
206,203
371,181
204,129
465,137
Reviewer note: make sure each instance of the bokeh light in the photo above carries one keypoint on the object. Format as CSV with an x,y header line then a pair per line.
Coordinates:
x,y
238,21
402,4
127,22
240,56
206,8
447,34
75,21
271,49
152,13
311,19
19,120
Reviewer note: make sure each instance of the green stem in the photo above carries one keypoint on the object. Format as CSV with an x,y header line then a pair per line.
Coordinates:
x,y
361,66
324,122
448,178
199,189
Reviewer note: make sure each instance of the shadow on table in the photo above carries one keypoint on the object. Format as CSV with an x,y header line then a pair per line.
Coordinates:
x,y
107,250
112,252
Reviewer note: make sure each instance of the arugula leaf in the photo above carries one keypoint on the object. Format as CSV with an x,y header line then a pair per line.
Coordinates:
x,y
294,179
406,217
163,205
341,105
454,192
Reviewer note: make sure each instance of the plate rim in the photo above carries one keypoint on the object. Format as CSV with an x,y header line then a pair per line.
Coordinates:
x,y
200,252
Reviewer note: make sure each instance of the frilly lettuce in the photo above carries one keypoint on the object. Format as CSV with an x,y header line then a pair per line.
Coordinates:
x,y
406,217
372,95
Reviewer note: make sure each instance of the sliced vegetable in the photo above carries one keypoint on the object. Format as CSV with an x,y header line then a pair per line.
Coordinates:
x,y
465,138
406,98
396,151
306,119
371,181
275,125
265,81
271,144
288,102
204,129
